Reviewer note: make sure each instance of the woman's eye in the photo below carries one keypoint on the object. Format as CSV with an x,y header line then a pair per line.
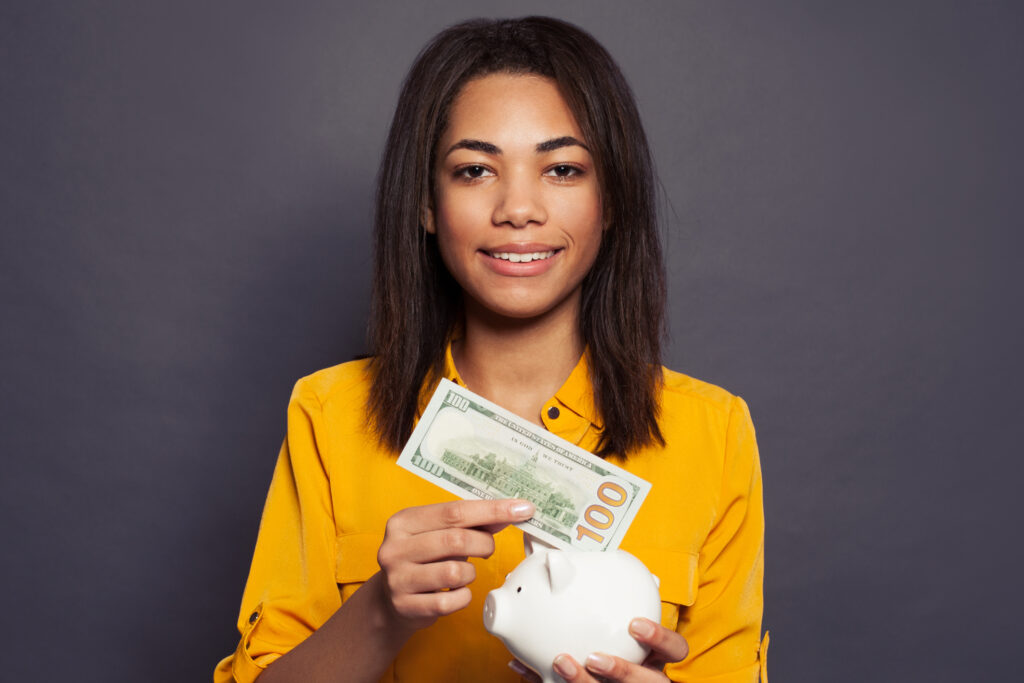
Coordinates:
x,y
473,172
564,171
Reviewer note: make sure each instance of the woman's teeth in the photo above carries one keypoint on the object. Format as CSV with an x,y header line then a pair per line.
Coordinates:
x,y
522,258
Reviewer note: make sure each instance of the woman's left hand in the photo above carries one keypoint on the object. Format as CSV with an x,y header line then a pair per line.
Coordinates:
x,y
666,645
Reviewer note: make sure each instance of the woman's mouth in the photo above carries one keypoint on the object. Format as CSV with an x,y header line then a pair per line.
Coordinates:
x,y
521,260
515,257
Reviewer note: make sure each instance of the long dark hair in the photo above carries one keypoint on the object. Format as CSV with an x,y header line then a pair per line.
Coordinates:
x,y
417,304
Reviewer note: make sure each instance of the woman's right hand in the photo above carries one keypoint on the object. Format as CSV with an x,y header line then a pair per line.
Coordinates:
x,y
424,555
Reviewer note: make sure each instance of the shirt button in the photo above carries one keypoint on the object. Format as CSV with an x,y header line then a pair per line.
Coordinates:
x,y
252,617
553,412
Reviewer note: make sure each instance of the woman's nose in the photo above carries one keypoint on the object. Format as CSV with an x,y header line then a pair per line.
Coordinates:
x,y
519,204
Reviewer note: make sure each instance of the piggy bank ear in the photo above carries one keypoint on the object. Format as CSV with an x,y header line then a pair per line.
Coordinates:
x,y
532,544
560,571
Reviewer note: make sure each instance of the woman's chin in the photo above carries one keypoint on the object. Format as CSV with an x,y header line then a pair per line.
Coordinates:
x,y
523,311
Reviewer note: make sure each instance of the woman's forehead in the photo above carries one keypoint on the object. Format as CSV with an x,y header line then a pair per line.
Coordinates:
x,y
511,111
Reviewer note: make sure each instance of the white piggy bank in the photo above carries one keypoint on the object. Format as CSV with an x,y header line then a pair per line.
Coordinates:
x,y
574,602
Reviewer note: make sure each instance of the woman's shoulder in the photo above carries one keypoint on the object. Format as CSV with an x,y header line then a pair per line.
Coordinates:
x,y
710,422
690,404
345,382
680,389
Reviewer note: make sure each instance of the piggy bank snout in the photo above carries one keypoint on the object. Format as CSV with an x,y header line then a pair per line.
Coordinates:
x,y
490,611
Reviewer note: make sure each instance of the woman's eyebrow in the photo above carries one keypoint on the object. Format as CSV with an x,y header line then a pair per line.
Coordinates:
x,y
488,148
474,146
558,143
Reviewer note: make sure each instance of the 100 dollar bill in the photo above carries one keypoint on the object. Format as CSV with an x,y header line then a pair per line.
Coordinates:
x,y
467,445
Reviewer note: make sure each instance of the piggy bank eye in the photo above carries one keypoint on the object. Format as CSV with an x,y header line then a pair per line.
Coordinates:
x,y
519,590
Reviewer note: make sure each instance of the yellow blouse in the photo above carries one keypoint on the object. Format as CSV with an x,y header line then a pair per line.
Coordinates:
x,y
701,531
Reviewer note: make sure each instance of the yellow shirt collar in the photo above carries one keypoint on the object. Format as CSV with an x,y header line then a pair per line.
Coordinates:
x,y
576,394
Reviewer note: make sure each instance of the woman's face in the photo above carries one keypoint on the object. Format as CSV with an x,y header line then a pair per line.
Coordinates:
x,y
517,204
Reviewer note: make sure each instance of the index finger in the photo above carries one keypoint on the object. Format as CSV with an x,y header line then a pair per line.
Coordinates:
x,y
467,514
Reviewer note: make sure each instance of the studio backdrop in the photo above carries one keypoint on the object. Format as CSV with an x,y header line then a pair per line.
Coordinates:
x,y
185,212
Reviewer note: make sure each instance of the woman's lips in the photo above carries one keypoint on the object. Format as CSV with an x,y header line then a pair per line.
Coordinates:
x,y
521,260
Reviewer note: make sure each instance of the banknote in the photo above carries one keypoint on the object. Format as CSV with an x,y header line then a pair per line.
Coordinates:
x,y
467,445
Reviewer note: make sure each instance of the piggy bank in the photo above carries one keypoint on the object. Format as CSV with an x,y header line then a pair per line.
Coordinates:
x,y
571,601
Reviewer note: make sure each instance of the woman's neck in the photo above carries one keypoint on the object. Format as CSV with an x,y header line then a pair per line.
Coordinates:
x,y
518,364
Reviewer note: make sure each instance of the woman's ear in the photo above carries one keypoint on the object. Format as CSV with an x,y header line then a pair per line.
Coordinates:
x,y
427,220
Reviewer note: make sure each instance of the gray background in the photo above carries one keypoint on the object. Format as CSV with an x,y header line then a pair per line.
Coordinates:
x,y
185,195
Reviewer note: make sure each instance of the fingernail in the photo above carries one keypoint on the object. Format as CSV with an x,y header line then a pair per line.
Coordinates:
x,y
641,628
564,666
602,664
523,509
518,667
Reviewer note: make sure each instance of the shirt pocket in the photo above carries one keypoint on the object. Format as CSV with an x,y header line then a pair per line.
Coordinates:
x,y
677,580
355,561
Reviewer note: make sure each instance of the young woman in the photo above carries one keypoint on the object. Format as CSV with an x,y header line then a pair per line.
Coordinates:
x,y
516,254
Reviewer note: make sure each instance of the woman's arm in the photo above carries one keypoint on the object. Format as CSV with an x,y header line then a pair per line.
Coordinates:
x,y
424,575
723,626
356,644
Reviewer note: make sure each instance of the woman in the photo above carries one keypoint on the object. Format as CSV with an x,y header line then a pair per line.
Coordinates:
x,y
516,254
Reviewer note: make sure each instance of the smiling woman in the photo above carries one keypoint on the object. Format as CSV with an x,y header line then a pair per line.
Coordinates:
x,y
417,304
517,254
